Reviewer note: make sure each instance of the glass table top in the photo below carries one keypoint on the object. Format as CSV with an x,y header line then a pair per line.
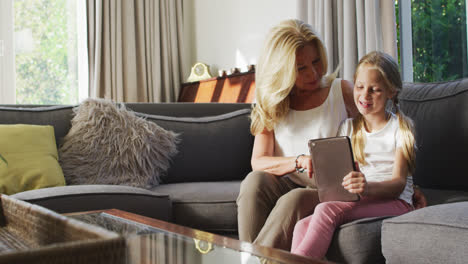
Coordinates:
x,y
149,244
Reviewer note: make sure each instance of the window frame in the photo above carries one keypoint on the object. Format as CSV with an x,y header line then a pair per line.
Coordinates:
x,y
7,53
406,40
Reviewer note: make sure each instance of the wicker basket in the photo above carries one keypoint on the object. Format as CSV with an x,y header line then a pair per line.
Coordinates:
x,y
33,234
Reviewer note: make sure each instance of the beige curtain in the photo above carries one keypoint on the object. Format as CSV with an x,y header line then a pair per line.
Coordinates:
x,y
351,28
134,49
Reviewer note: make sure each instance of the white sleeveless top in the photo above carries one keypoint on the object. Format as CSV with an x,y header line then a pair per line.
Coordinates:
x,y
298,127
379,152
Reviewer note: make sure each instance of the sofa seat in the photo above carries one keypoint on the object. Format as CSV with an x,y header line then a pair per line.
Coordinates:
x,y
435,234
77,198
209,206
357,242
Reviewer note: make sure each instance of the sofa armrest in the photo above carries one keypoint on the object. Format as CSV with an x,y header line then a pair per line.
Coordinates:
x,y
434,234
76,198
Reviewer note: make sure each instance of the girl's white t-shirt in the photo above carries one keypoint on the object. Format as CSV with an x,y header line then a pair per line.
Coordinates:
x,y
379,150
298,127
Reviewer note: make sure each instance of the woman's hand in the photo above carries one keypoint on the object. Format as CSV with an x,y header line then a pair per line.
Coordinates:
x,y
355,182
419,200
305,162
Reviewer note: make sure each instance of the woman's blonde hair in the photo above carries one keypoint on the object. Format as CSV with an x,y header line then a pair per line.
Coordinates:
x,y
276,71
388,69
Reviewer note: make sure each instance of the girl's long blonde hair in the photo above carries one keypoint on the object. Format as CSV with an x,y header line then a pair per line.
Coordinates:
x,y
276,72
389,72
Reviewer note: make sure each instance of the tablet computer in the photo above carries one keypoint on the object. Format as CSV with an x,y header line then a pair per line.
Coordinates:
x,y
332,160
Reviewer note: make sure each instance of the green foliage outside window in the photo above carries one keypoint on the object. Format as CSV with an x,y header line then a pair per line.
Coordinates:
x,y
46,74
439,40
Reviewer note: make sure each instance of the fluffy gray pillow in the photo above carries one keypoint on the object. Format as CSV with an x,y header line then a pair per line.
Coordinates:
x,y
107,144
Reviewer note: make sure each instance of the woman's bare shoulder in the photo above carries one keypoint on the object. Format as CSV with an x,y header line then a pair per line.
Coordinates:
x,y
347,89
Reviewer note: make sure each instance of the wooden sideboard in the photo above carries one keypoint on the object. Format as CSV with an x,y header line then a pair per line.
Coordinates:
x,y
234,88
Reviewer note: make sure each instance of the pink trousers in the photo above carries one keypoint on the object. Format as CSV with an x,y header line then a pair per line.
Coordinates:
x,y
313,234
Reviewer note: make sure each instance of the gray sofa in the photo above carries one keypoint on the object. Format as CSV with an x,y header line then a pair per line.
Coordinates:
x,y
203,181
200,187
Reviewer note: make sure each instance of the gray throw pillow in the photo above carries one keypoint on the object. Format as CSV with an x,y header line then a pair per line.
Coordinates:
x,y
108,144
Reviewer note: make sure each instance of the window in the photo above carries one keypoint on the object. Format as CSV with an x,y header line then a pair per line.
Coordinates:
x,y
41,42
434,34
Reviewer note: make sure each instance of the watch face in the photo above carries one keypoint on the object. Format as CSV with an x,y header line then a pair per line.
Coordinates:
x,y
199,70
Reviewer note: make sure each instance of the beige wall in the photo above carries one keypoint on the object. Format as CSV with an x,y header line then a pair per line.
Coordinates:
x,y
229,33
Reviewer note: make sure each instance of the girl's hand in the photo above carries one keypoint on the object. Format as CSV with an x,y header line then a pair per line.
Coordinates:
x,y
305,162
355,182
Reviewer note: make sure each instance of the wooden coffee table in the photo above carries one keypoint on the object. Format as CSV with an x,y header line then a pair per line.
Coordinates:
x,y
154,241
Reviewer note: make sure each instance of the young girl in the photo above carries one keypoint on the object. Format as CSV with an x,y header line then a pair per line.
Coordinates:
x,y
383,145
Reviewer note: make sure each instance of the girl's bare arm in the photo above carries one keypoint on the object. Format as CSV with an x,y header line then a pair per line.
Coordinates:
x,y
355,182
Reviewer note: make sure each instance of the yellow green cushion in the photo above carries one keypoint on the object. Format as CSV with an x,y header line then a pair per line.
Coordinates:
x,y
32,159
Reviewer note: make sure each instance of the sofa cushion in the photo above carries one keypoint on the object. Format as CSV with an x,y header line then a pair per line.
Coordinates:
x,y
215,148
30,155
77,198
435,234
108,144
209,206
357,242
441,121
58,116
